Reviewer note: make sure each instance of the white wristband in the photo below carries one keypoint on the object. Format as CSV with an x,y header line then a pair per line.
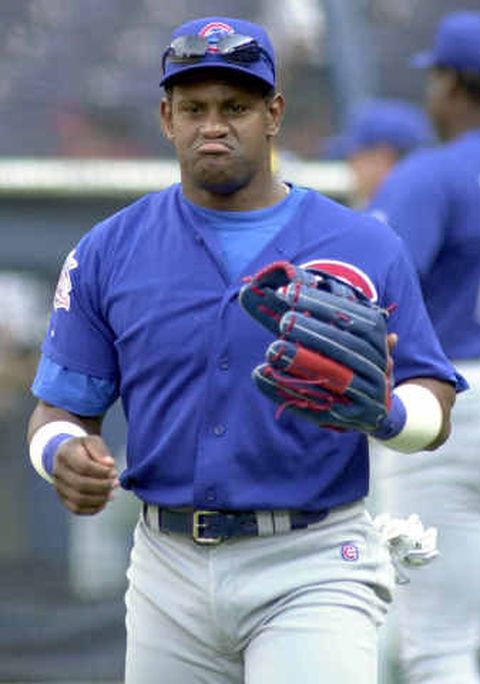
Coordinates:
x,y
42,437
424,419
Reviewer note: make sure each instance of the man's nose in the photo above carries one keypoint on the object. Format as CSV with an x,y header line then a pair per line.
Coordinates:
x,y
214,126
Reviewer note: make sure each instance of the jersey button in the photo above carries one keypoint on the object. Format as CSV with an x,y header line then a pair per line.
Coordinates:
x,y
210,494
219,430
224,363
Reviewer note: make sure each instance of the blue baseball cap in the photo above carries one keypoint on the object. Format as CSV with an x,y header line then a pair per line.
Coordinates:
x,y
220,43
456,44
384,121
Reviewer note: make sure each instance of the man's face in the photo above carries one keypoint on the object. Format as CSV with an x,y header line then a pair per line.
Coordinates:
x,y
438,99
221,131
370,167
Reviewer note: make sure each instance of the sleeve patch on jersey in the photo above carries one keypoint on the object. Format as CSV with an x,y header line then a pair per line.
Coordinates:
x,y
61,299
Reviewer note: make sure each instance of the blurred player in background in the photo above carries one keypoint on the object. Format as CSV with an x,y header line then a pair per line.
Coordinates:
x,y
432,200
380,133
254,559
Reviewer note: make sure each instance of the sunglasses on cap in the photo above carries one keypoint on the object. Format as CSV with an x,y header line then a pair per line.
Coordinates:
x,y
232,47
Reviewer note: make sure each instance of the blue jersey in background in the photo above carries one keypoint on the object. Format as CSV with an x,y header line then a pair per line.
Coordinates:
x,y
432,200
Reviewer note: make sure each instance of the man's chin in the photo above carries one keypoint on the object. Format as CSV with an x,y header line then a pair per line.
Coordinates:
x,y
222,188
221,185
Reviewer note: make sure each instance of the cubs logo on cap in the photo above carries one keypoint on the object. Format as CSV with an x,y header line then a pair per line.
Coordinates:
x,y
213,31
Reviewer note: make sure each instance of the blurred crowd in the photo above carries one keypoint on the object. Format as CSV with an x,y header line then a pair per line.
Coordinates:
x,y
79,79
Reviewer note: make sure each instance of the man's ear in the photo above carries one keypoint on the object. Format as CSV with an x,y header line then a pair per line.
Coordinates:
x,y
275,111
166,118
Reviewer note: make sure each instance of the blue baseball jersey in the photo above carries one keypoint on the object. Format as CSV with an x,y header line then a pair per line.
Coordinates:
x,y
146,304
432,200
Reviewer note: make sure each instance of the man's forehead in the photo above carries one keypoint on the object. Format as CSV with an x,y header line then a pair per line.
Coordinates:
x,y
214,92
219,79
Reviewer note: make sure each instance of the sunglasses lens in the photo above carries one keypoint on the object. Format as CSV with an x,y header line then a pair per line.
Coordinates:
x,y
186,49
244,55
240,49
234,41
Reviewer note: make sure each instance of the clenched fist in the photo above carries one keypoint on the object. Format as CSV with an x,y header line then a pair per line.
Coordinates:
x,y
84,474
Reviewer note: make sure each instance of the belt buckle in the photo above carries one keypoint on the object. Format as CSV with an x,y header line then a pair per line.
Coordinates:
x,y
198,525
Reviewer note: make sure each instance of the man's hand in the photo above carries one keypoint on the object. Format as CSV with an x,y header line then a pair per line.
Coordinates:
x,y
331,361
84,474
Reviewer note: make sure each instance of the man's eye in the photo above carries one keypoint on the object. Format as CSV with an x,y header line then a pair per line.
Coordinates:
x,y
237,108
191,108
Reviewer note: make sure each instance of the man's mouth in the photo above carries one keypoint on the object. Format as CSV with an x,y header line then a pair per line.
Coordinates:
x,y
213,148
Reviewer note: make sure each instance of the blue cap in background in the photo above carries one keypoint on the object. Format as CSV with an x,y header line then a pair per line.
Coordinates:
x,y
456,44
383,121
214,29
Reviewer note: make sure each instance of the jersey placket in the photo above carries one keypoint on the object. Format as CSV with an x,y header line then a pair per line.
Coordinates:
x,y
212,445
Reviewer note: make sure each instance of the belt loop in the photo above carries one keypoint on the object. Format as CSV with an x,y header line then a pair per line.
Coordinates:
x,y
151,515
265,524
281,522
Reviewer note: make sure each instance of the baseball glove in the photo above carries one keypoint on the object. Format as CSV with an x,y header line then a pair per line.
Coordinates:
x,y
330,362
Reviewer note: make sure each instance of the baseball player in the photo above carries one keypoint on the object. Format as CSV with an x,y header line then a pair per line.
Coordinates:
x,y
253,558
381,132
432,200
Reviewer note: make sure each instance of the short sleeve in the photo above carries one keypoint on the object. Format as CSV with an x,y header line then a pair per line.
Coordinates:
x,y
76,392
79,337
418,352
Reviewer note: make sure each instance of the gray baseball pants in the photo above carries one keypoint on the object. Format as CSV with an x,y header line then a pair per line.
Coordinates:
x,y
300,607
437,614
